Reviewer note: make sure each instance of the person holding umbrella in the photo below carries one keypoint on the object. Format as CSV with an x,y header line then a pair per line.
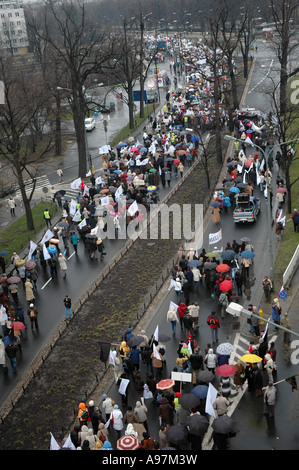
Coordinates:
x,y
29,291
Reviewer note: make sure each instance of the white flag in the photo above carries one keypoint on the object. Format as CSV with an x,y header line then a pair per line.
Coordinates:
x,y
156,334
172,283
46,253
94,230
190,348
215,237
111,358
105,201
88,174
68,443
123,385
82,224
73,205
172,304
54,444
133,208
77,216
211,397
118,192
98,180
47,236
33,246
156,353
86,190
76,184
249,141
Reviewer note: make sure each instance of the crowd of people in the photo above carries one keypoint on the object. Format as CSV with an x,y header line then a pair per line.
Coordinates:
x,y
133,172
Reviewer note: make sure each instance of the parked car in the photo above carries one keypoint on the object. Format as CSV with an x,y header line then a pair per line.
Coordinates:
x,y
108,108
90,123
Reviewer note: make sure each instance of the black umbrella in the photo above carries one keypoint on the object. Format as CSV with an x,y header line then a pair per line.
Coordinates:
x,y
135,341
210,265
197,424
188,400
63,224
163,338
224,424
206,376
176,435
228,255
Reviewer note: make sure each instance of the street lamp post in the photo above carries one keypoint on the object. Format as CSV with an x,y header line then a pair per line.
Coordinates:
x,y
266,156
236,309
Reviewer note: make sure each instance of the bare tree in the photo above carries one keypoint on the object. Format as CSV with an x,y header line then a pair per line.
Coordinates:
x,y
84,47
24,107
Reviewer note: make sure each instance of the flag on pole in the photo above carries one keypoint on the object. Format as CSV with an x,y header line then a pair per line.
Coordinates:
x,y
68,443
156,334
105,351
54,444
111,358
33,247
282,294
211,397
46,253
47,237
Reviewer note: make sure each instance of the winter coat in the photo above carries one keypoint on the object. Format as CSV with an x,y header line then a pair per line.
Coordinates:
x,y
29,291
102,431
211,359
240,369
141,412
182,310
62,263
188,321
194,310
165,410
117,419
82,434
171,314
134,355
107,405
91,438
220,405
275,313
130,417
158,363
216,215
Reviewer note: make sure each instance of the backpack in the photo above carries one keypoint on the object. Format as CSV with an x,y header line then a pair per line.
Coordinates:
x,y
162,351
84,415
212,321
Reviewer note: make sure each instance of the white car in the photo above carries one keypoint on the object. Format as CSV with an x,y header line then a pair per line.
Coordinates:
x,y
90,123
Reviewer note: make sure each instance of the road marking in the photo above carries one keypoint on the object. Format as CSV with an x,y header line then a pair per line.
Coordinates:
x,y
262,78
46,283
71,255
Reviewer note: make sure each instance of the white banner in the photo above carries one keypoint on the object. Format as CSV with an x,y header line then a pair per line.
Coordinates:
x,y
76,184
105,201
77,216
33,246
111,358
46,253
123,385
47,236
211,397
82,224
215,237
133,208
73,205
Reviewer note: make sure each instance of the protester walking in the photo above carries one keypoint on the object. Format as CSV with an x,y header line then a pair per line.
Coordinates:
x,y
68,306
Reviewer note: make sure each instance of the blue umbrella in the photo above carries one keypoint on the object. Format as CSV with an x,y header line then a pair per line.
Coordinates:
x,y
247,254
228,255
169,159
122,144
117,172
3,253
6,340
143,149
194,138
215,204
200,391
194,263
234,190
52,249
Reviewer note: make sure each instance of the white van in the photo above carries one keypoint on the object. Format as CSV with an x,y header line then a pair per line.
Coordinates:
x,y
90,123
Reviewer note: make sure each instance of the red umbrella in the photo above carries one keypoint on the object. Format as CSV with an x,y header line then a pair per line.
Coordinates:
x,y
30,265
222,268
226,370
226,285
281,190
17,325
248,163
165,384
176,161
127,443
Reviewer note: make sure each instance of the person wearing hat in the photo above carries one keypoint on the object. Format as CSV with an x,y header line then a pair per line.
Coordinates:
x,y
116,417
33,313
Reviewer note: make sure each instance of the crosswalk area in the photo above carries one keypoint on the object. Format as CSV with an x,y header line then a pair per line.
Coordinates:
x,y
40,183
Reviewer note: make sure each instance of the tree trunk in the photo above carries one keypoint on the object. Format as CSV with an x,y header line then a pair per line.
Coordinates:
x,y
58,145
26,201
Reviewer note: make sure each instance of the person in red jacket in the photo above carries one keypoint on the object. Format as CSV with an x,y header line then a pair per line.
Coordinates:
x,y
181,311
214,324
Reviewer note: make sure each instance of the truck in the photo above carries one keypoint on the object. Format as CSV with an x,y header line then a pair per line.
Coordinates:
x,y
247,208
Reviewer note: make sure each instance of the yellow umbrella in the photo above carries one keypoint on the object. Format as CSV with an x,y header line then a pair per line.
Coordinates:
x,y
252,358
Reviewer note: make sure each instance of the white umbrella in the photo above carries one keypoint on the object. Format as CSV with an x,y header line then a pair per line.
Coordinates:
x,y
225,348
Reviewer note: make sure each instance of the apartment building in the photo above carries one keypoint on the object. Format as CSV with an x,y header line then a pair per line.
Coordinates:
x,y
13,31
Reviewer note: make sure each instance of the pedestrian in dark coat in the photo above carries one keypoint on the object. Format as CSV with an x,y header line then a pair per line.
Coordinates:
x,y
165,410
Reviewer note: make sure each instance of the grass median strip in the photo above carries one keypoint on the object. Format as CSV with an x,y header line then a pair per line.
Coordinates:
x,y
17,236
